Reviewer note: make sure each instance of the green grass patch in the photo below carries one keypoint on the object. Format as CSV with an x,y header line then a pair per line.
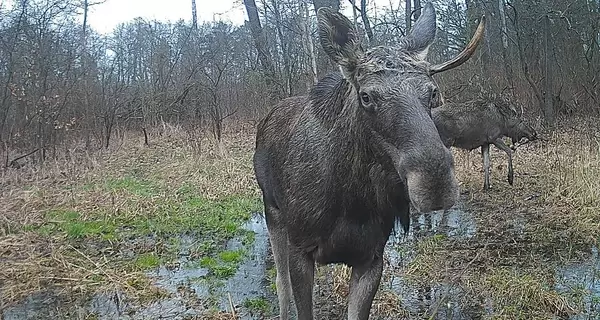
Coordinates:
x,y
224,265
221,219
235,256
74,226
259,305
272,277
218,220
147,261
132,185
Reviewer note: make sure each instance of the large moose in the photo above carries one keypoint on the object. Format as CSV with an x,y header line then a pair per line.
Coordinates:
x,y
339,166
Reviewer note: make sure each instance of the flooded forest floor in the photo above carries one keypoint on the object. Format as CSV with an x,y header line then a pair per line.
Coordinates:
x,y
174,230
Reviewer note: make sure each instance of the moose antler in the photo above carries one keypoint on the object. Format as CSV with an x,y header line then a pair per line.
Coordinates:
x,y
465,54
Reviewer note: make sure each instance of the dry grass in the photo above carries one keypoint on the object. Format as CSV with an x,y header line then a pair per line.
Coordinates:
x,y
556,189
549,217
214,170
386,304
33,263
518,295
42,247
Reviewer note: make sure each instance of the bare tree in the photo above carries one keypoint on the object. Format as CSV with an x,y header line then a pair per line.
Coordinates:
x,y
61,81
194,15
408,14
365,19
260,42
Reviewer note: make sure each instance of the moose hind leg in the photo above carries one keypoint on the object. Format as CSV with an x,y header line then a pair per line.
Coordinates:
x,y
279,246
500,145
364,283
485,154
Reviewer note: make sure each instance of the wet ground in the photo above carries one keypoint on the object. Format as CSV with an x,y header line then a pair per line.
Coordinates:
x,y
250,293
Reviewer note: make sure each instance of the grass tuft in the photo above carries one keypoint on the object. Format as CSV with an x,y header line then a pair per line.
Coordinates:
x,y
147,261
519,295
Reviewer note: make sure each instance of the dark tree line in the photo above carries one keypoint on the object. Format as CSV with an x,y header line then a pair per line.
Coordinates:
x,y
60,81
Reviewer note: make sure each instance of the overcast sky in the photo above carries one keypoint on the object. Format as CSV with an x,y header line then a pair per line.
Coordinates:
x,y
106,16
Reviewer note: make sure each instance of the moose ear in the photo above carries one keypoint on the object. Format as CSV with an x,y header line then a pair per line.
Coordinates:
x,y
339,39
422,34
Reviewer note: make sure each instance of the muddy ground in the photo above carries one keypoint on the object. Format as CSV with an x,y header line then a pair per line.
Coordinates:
x,y
174,232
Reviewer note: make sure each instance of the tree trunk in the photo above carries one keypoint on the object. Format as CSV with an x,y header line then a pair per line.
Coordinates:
x,y
417,9
507,63
472,15
284,48
308,44
194,15
354,14
260,42
408,15
523,62
548,90
365,19
86,98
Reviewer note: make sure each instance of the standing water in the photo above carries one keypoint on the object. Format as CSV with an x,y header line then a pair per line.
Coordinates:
x,y
249,291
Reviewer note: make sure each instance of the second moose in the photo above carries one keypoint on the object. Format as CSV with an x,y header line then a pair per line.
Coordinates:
x,y
479,123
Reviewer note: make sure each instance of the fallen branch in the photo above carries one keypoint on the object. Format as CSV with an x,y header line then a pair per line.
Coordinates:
x,y
15,164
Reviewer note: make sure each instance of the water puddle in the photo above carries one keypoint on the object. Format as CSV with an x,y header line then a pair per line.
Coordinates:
x,y
249,283
581,280
455,222
192,290
36,306
443,300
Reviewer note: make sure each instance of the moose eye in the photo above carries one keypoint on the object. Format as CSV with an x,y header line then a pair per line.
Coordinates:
x,y
364,98
390,65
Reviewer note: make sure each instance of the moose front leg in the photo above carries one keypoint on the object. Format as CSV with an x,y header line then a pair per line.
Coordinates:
x,y
500,145
485,154
364,282
279,245
302,274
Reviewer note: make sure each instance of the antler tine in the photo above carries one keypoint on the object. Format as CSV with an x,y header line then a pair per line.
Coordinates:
x,y
465,54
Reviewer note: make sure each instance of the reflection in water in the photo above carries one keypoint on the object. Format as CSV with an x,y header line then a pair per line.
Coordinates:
x,y
454,222
419,299
36,306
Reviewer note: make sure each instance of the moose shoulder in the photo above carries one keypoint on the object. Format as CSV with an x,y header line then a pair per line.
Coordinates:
x,y
337,167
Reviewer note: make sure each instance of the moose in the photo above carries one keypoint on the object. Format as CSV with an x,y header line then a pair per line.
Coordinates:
x,y
341,165
480,123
